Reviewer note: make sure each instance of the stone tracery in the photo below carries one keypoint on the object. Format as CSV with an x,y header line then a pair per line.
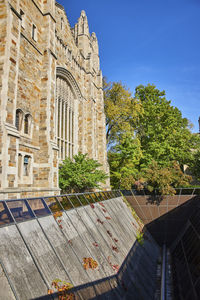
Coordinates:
x,y
65,131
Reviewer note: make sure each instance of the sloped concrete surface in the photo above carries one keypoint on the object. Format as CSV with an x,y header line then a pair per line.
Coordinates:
x,y
19,265
6,292
36,252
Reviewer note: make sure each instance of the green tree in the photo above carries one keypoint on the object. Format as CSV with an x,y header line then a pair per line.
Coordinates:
x,y
124,159
165,136
150,140
121,110
80,174
164,179
194,167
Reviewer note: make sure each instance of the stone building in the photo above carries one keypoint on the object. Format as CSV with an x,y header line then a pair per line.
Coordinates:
x,y
50,95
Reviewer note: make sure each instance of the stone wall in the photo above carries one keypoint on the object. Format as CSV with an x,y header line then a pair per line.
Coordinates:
x,y
37,42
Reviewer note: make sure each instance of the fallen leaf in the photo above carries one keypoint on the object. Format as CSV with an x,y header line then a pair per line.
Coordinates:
x,y
115,267
98,220
115,249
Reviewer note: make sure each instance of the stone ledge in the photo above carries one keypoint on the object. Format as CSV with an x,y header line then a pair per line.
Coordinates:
x,y
29,146
12,130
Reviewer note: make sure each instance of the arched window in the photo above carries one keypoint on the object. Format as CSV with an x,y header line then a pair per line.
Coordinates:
x,y
18,119
65,118
27,124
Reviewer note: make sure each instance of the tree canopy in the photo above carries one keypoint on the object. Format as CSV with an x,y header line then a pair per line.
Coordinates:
x,y
164,134
122,110
149,140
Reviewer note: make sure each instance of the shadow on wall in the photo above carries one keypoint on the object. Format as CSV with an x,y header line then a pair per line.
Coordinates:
x,y
147,209
169,226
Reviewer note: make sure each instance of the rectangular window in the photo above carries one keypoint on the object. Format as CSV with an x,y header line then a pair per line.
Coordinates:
x,y
20,211
26,165
23,18
34,32
5,217
39,207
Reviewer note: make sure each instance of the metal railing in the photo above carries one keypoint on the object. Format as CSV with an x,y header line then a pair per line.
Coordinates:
x,y
27,208
20,210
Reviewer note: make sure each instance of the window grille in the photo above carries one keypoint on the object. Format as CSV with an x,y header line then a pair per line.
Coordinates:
x,y
65,118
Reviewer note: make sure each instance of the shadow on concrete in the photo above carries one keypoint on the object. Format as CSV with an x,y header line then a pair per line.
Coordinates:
x,y
135,278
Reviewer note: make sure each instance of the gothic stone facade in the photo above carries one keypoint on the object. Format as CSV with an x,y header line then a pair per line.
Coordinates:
x,y
50,95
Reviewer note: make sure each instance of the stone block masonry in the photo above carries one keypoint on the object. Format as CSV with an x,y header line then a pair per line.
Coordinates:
x,y
51,96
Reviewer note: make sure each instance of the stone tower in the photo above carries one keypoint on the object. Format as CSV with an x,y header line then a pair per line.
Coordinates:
x,y
50,95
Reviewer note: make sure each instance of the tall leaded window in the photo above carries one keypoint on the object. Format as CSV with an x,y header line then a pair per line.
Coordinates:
x,y
26,124
65,118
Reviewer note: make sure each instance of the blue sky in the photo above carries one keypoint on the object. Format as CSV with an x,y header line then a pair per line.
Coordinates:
x,y
143,41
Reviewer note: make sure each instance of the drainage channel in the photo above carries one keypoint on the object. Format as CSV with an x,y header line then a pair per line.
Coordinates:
x,y
166,275
163,274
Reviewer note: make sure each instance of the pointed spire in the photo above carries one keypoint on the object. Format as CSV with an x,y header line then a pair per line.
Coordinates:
x,y
83,24
83,14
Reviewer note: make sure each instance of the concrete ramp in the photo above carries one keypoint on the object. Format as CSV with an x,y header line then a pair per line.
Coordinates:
x,y
55,238
20,267
6,291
